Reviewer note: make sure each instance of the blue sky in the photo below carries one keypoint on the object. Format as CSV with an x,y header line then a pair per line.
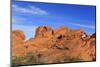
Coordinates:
x,y
27,16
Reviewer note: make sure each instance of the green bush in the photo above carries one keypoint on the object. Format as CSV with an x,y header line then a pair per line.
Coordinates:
x,y
17,60
30,58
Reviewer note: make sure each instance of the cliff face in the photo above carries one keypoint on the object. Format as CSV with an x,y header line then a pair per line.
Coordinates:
x,y
54,46
18,38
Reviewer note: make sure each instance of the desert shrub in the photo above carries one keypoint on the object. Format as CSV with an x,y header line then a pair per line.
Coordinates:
x,y
74,59
17,60
33,58
57,61
30,58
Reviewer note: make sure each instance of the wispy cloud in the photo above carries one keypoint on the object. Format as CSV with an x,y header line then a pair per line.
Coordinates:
x,y
83,25
18,20
29,10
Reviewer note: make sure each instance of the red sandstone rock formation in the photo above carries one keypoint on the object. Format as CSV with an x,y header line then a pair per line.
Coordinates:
x,y
57,45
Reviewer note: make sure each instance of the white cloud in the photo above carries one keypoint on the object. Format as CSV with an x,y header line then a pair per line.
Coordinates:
x,y
30,10
18,20
82,25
